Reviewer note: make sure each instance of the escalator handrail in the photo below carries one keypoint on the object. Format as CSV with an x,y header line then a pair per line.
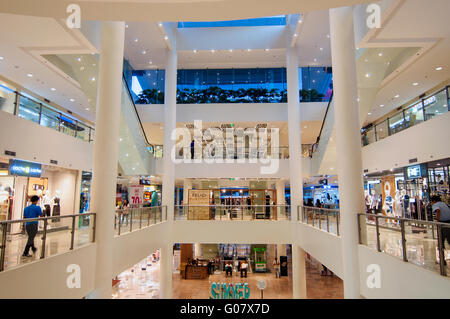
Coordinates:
x,y
135,109
323,123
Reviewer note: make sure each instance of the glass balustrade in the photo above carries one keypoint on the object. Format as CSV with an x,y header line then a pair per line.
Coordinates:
x,y
41,113
424,110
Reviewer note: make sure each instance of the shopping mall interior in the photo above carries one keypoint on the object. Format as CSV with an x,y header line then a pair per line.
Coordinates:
x,y
189,150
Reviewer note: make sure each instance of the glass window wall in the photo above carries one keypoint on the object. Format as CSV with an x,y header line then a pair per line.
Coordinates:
x,y
436,105
414,115
396,123
7,99
382,130
29,109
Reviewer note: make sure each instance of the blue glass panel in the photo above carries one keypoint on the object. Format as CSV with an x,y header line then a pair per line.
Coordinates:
x,y
266,21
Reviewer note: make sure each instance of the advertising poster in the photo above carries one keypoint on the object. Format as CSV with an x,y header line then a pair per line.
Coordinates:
x,y
198,197
388,185
136,195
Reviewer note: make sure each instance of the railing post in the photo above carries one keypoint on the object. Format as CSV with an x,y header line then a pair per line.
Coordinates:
x,y
130,213
160,214
328,223
377,227
442,266
140,217
314,216
17,103
149,216
72,235
44,238
359,228
320,218
120,225
402,229
3,247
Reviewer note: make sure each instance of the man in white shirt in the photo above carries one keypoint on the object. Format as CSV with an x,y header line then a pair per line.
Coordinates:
x,y
442,212
244,267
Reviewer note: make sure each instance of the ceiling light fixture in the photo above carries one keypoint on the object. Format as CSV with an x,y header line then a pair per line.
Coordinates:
x,y
1,58
53,89
367,75
315,60
144,52
438,68
93,79
30,75
415,84
136,39
380,54
87,109
328,36
72,100
79,59
397,96
369,113
381,105
321,49
150,62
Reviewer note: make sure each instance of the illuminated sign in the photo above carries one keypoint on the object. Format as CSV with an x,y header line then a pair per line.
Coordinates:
x,y
416,171
24,168
224,290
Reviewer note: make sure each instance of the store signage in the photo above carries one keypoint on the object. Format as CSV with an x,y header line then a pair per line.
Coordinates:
x,y
416,171
24,168
144,182
430,100
223,290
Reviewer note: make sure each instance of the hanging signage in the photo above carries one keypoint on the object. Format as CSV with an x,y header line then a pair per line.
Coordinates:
x,y
24,168
136,195
223,290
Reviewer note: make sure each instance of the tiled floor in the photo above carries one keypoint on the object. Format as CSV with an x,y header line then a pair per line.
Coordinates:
x,y
144,284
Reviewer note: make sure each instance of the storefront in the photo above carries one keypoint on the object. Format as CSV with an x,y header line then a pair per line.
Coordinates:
x,y
55,186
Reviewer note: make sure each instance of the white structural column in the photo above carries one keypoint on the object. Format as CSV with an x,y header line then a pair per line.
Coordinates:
x,y
186,187
166,261
295,166
295,141
349,159
298,272
106,148
279,186
168,180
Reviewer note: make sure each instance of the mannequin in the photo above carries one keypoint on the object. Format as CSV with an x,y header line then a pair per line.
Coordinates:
x,y
405,204
46,201
368,202
56,205
398,205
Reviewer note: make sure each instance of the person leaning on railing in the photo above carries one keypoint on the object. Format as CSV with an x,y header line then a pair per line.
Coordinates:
x,y
32,211
442,212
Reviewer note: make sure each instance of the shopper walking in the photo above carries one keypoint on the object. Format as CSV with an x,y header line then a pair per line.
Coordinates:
x,y
276,267
32,211
442,212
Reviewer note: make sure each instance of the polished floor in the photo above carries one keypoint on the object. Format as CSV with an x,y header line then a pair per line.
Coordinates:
x,y
142,282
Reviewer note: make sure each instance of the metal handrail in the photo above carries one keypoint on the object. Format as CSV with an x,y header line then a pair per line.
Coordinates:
x,y
402,221
323,123
317,210
150,211
4,226
286,213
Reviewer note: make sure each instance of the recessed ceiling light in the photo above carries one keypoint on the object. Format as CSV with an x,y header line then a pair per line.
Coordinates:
x,y
126,154
397,96
53,89
369,113
72,100
120,139
87,109
381,105
30,75
315,60
1,58
438,68
380,54
79,59
93,79
321,49
136,39
367,75
415,84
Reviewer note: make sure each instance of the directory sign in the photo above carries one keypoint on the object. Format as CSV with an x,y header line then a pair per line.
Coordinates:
x,y
24,168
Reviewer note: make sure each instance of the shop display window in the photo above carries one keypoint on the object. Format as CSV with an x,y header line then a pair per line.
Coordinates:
x,y
7,99
414,115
